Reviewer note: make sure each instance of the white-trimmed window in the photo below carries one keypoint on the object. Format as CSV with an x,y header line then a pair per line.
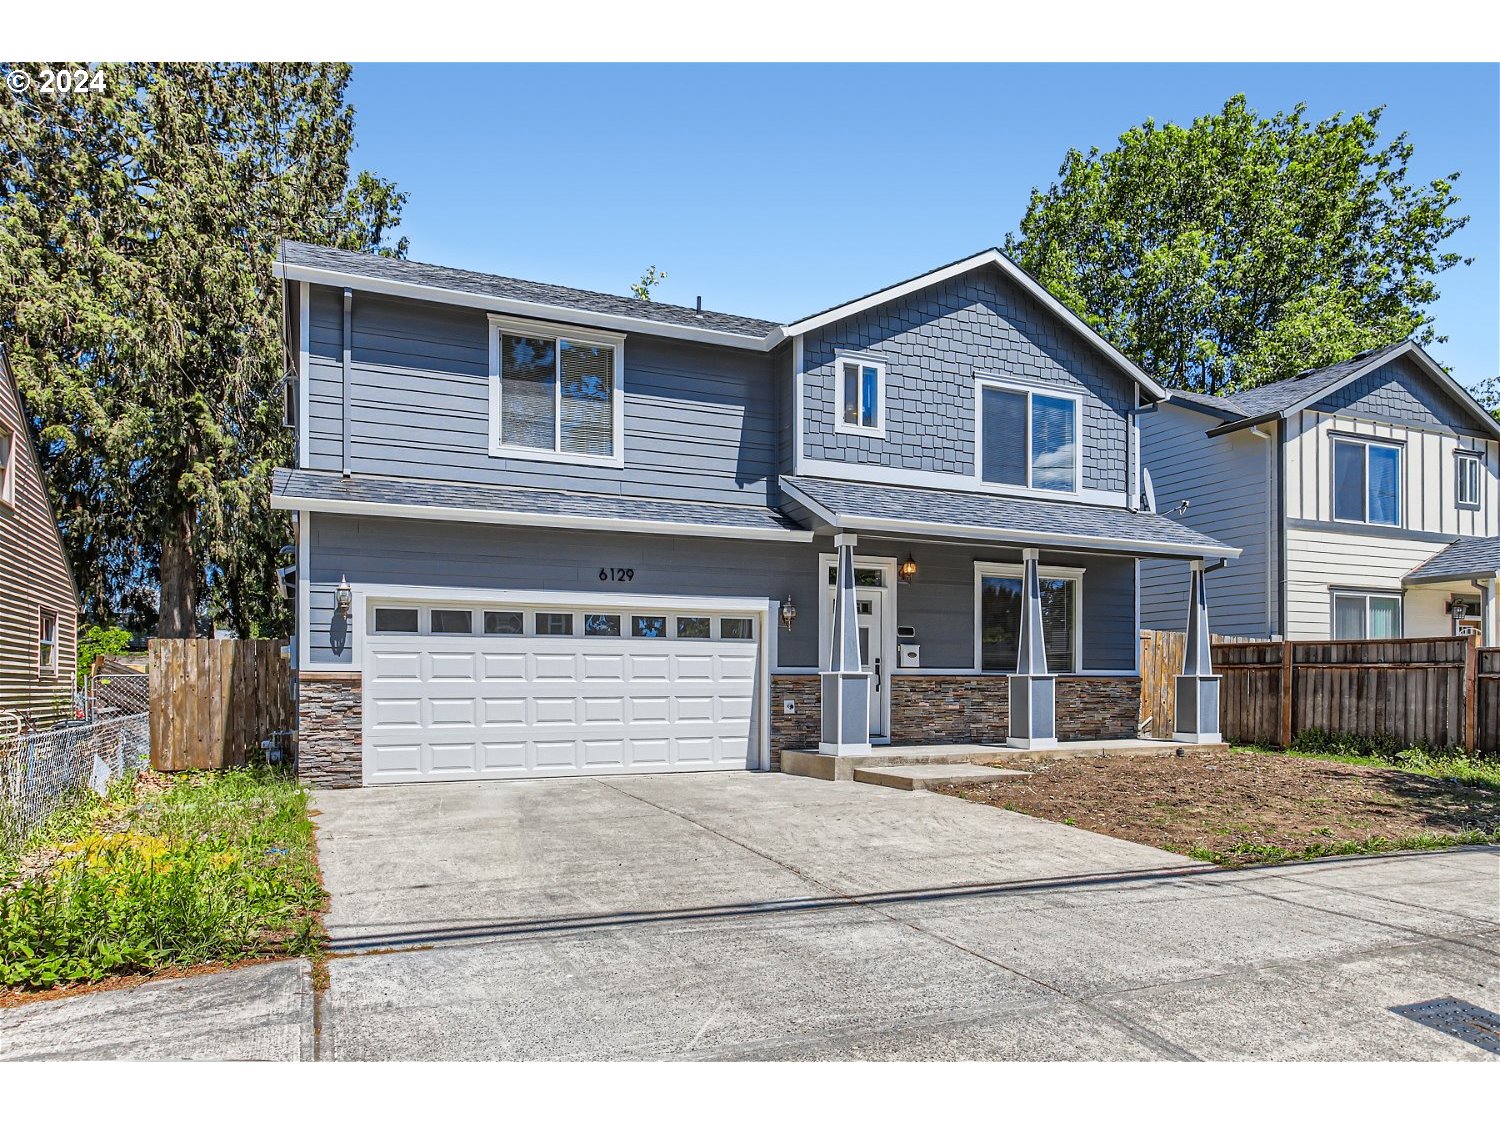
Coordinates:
x,y
47,643
1466,478
1366,482
7,466
1027,438
861,397
997,616
556,393
1359,616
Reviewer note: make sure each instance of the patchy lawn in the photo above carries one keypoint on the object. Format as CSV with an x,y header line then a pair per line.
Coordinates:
x,y
1236,807
163,875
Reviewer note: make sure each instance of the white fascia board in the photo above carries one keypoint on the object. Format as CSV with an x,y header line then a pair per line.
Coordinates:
x,y
514,307
383,592
1015,273
533,519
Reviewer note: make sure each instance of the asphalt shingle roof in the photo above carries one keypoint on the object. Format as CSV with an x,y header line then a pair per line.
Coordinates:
x,y
1463,559
1271,398
315,484
1028,519
491,285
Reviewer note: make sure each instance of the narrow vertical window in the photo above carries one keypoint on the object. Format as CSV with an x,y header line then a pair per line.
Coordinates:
x,y
47,642
1466,481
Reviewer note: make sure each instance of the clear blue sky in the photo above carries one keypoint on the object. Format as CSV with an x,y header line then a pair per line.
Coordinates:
x,y
776,191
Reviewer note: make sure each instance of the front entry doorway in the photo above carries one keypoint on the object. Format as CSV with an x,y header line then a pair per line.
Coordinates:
x,y
871,590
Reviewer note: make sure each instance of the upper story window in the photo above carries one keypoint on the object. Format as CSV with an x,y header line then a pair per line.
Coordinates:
x,y
7,466
1028,438
861,394
1468,467
555,395
1366,482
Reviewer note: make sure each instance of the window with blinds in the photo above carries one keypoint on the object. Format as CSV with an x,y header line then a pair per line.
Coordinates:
x,y
1028,439
557,395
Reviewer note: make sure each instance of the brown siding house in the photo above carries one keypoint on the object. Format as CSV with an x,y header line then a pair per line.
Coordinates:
x,y
38,601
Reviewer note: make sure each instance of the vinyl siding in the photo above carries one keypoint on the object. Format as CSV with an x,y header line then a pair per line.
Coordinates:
x,y
700,423
1320,560
940,604
1228,483
1429,501
33,576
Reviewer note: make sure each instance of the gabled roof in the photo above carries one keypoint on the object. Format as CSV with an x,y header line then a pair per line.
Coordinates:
x,y
1468,558
319,490
966,514
301,261
1286,397
993,256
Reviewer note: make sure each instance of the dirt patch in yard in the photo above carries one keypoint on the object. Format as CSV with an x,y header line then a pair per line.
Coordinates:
x,y
1237,808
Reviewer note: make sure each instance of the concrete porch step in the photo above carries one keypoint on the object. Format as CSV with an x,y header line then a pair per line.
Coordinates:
x,y
930,774
826,767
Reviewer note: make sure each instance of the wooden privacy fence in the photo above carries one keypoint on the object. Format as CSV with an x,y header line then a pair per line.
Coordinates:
x,y
212,701
1161,662
1440,691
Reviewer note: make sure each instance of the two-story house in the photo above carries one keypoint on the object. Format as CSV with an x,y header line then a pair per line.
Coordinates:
x,y
546,532
38,601
1363,496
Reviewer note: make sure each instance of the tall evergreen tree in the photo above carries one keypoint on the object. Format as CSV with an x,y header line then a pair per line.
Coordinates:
x,y
1242,249
138,230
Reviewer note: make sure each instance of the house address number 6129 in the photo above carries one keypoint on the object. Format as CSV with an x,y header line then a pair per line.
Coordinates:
x,y
617,574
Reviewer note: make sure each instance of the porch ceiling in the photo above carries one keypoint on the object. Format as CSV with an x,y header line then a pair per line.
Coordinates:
x,y
929,512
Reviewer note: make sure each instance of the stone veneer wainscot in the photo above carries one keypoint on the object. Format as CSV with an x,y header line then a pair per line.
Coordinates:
x,y
329,730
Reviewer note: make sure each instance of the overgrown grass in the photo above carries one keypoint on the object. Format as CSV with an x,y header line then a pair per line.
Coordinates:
x,y
1449,763
210,868
1242,855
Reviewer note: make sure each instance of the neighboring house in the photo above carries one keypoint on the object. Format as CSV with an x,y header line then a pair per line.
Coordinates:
x,y
38,601
543,532
1351,481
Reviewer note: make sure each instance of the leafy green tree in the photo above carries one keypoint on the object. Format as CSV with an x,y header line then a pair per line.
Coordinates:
x,y
1242,249
649,280
138,231
95,641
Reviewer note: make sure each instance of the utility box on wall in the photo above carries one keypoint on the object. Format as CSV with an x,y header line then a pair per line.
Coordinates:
x,y
908,655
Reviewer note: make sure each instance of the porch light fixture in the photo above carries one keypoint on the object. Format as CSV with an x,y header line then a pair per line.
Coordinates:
x,y
788,614
907,571
345,596
1458,610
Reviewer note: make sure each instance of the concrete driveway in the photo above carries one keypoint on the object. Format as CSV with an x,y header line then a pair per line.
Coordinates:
x,y
774,917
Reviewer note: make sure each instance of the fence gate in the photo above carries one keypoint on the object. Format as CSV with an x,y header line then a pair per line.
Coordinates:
x,y
213,700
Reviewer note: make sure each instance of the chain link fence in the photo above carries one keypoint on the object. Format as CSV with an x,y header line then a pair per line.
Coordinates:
x,y
109,696
43,772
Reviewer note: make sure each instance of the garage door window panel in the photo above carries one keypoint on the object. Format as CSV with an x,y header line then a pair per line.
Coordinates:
x,y
648,626
600,624
554,624
452,622
396,619
737,628
694,628
504,623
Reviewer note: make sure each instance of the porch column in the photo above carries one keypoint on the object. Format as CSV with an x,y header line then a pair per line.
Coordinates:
x,y
1033,694
846,685
1197,718
1489,611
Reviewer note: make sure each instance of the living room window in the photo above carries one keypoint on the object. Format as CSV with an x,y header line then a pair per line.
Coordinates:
x,y
555,395
1366,482
1366,617
997,616
861,396
1027,438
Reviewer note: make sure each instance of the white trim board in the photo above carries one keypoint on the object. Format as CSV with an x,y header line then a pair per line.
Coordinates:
x,y
951,482
533,519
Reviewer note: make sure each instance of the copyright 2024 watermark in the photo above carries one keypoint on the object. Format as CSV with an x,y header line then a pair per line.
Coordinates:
x,y
56,83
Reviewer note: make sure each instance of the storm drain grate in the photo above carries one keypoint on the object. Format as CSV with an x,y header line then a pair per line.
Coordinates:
x,y
1453,1017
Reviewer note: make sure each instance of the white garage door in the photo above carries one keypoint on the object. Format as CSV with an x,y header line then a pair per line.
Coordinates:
x,y
617,692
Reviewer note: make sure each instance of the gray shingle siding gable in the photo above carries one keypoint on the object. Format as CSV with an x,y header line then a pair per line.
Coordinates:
x,y
700,422
933,342
1399,392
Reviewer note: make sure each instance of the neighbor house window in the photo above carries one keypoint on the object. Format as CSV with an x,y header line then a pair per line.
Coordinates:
x,y
1367,482
861,393
999,618
1468,466
1027,438
1360,617
47,642
7,466
555,394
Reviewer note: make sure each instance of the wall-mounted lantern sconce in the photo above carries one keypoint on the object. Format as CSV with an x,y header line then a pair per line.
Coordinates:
x,y
788,614
345,595
907,571
1458,610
